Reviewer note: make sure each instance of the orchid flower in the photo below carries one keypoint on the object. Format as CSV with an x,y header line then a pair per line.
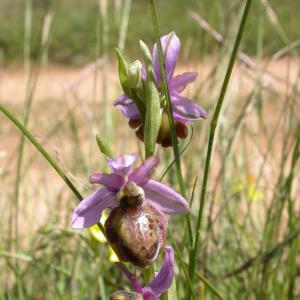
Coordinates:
x,y
136,226
160,283
184,110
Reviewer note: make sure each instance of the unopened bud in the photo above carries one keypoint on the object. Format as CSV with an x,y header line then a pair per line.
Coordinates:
x,y
134,77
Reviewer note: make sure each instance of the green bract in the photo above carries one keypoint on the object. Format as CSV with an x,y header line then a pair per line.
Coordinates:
x,y
153,109
130,76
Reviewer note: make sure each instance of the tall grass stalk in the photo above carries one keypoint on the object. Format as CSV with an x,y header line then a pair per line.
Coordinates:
x,y
170,113
27,107
124,24
103,7
213,125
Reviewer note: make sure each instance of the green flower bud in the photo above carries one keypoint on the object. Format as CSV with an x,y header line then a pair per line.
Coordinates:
x,y
134,77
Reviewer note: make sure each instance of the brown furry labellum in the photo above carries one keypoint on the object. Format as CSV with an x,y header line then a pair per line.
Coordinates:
x,y
136,229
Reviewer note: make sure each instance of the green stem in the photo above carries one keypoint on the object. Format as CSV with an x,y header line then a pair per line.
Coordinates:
x,y
213,125
170,113
210,286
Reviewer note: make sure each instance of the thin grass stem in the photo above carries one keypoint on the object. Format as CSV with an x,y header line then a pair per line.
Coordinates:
x,y
170,113
213,125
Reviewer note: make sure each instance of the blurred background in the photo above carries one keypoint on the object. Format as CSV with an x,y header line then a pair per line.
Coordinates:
x,y
58,75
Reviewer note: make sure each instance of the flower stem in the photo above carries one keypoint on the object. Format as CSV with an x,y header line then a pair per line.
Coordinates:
x,y
213,125
170,113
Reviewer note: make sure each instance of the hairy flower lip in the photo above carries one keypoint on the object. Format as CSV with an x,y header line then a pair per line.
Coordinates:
x,y
137,233
165,199
184,110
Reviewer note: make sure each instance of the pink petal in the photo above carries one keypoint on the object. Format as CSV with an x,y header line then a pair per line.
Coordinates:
x,y
186,108
180,82
165,198
142,174
127,107
121,165
163,280
89,210
111,181
171,46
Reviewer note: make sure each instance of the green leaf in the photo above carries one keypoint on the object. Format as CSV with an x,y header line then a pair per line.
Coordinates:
x,y
104,148
152,100
123,72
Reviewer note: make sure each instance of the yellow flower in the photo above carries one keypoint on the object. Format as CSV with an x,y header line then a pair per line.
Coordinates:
x,y
98,235
249,187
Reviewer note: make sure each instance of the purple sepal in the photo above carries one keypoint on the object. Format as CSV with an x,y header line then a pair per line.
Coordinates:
x,y
180,82
111,181
165,199
88,211
171,46
163,280
142,174
186,108
127,107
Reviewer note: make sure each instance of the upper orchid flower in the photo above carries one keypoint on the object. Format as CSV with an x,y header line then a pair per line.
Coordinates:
x,y
160,283
184,110
136,226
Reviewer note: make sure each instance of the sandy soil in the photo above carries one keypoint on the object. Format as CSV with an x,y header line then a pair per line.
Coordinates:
x,y
56,81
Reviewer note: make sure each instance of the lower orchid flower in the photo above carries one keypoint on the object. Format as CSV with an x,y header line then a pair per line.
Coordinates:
x,y
160,283
136,226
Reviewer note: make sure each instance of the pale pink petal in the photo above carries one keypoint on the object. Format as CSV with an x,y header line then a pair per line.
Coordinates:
x,y
171,46
142,174
164,198
88,211
180,82
112,181
121,165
